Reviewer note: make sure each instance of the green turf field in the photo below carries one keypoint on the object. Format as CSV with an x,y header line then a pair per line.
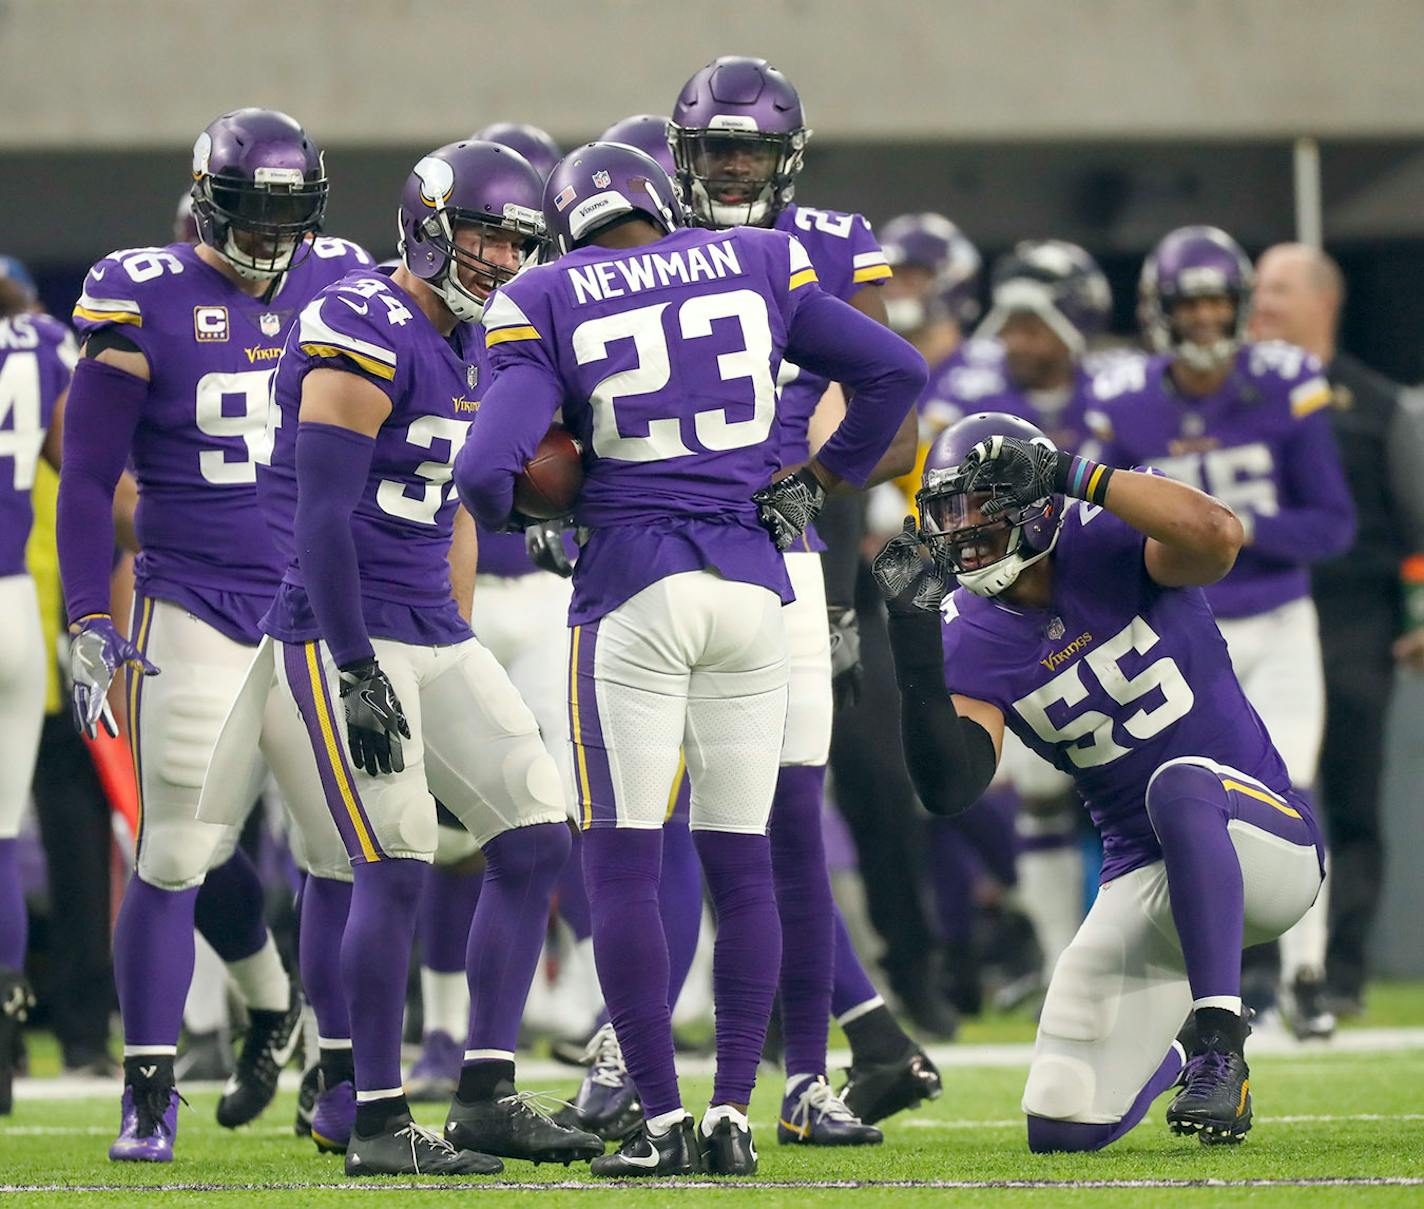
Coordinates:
x,y
1322,1115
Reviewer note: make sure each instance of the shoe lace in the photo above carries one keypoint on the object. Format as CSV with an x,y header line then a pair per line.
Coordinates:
x,y
1206,1072
605,1056
150,1107
265,1037
541,1104
420,1137
820,1099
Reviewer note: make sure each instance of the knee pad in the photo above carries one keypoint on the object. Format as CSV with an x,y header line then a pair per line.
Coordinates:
x,y
532,778
1059,1087
190,729
1183,783
1085,991
176,855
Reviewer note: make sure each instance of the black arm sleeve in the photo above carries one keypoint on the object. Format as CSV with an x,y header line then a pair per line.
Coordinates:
x,y
950,759
841,524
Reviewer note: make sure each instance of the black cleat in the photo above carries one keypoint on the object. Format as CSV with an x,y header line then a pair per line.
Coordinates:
x,y
1215,1100
876,1090
514,1126
272,1038
676,1152
306,1101
16,1000
1311,1015
727,1148
405,1148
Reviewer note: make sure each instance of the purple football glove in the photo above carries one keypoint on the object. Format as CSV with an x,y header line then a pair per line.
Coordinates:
x,y
96,653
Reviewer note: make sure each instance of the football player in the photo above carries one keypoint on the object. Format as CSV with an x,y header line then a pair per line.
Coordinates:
x,y
662,345
534,144
933,298
739,138
179,343
1030,358
1080,624
1244,421
372,398
37,355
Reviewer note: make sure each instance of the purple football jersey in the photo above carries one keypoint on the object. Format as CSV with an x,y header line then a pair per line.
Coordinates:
x,y
1116,677
1261,444
846,256
37,355
665,357
366,324
975,379
211,350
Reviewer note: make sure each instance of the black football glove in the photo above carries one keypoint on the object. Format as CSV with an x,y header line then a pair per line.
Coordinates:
x,y
906,575
846,671
544,541
1022,471
788,505
375,723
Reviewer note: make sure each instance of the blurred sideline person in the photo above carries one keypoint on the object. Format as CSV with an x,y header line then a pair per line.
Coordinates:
x,y
37,355
178,348
1246,422
1364,635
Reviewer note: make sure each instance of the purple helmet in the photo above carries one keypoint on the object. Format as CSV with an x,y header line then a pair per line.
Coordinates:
x,y
259,191
1194,262
1057,281
648,132
738,139
933,243
535,145
473,182
985,556
599,182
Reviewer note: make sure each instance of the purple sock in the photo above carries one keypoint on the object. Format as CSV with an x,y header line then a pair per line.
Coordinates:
x,y
805,905
153,961
746,958
1189,809
955,870
852,986
230,912
522,866
375,956
573,898
1046,1135
447,908
620,869
14,923
680,900
326,903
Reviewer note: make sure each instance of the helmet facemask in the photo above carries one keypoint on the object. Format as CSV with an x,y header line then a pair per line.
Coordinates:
x,y
261,227
985,555
524,224
735,177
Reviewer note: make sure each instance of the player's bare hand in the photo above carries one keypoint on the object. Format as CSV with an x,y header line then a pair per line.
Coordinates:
x,y
375,722
1409,649
96,653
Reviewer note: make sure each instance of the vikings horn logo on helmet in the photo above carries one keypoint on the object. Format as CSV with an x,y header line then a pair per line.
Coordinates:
x,y
437,181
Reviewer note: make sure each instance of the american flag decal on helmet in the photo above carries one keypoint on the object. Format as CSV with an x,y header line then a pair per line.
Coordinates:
x,y
566,195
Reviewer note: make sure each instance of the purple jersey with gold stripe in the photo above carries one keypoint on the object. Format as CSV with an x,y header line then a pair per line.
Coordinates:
x,y
367,325
211,350
1117,676
37,355
665,358
1261,443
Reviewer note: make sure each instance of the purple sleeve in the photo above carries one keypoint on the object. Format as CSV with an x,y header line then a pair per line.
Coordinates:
x,y
100,417
1318,520
332,467
514,415
831,338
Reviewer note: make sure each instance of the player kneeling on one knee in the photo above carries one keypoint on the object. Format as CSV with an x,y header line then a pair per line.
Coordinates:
x,y
1080,625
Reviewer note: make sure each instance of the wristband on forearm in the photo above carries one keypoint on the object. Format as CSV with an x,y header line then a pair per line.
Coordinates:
x,y
1082,478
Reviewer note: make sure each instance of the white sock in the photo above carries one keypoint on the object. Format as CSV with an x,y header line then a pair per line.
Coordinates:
x,y
205,1009
446,1002
1227,1003
722,1112
261,980
660,1124
794,1085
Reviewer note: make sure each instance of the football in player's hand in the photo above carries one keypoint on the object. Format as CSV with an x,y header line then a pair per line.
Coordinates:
x,y
550,481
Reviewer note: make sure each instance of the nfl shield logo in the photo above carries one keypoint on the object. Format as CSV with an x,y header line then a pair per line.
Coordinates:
x,y
269,324
1054,629
472,375
601,179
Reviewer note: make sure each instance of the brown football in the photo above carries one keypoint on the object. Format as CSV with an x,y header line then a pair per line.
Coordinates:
x,y
550,482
